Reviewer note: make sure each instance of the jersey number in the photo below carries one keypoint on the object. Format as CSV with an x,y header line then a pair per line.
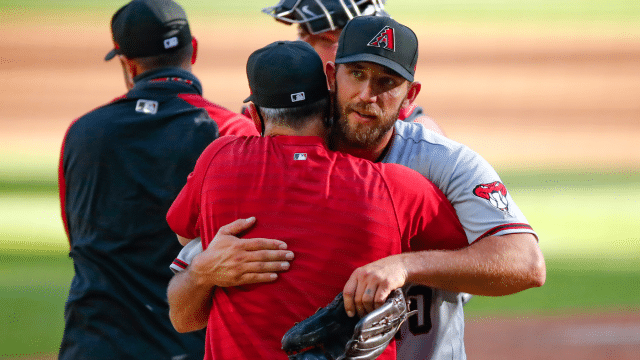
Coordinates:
x,y
420,297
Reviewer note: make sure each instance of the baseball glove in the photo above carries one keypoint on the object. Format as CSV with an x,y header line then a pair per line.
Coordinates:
x,y
330,334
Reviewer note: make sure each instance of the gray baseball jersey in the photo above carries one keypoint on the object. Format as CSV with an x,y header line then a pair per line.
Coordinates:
x,y
484,207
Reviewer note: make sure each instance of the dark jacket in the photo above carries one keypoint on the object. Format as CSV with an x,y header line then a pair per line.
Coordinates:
x,y
121,167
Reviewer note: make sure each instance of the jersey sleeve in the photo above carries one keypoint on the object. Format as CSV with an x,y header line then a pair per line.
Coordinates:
x,y
424,214
183,216
188,252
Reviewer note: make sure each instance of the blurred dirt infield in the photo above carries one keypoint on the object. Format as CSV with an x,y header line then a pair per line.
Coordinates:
x,y
520,100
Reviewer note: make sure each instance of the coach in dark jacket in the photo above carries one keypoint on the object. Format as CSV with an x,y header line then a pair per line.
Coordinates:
x,y
121,167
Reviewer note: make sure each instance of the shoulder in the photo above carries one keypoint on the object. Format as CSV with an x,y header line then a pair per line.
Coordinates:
x,y
98,117
199,101
410,135
219,144
229,122
404,180
440,159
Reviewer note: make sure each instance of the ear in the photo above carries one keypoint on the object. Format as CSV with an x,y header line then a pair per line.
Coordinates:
x,y
129,69
412,94
253,112
194,44
330,70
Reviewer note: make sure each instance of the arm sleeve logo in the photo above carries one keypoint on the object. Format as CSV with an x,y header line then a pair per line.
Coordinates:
x,y
495,193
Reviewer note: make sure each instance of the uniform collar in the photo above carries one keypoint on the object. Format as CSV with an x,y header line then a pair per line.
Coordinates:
x,y
171,74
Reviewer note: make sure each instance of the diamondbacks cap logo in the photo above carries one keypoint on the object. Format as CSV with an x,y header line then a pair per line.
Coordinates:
x,y
495,193
385,39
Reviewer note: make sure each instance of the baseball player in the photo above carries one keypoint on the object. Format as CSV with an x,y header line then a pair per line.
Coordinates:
x,y
320,23
503,258
121,167
333,211
372,79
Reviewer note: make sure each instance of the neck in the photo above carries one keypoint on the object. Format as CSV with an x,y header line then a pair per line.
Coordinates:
x,y
311,128
373,153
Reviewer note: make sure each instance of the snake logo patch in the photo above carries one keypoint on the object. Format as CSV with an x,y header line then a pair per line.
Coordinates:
x,y
385,39
495,193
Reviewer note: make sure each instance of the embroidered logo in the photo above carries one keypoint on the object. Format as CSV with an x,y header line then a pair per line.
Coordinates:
x,y
171,42
147,106
495,193
297,97
385,39
300,156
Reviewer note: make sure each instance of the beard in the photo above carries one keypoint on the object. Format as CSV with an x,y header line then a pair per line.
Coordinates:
x,y
360,135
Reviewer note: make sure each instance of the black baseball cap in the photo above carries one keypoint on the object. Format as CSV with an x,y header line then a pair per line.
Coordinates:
x,y
286,74
149,27
379,40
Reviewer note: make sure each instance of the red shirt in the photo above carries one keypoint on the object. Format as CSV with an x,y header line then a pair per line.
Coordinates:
x,y
336,213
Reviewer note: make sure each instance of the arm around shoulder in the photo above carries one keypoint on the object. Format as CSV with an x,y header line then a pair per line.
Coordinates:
x,y
189,302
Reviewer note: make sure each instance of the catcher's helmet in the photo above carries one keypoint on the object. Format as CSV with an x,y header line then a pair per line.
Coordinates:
x,y
323,15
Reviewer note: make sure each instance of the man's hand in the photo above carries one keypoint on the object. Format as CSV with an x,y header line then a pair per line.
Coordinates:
x,y
370,285
232,261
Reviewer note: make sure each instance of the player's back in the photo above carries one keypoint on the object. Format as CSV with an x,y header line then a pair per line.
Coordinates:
x,y
334,212
122,166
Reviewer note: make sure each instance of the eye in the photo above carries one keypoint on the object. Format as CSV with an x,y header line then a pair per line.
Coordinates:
x,y
357,73
388,82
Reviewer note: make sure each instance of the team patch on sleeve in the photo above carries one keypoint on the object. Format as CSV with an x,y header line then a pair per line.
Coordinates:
x,y
495,193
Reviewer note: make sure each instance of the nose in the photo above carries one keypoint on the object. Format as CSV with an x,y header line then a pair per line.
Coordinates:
x,y
367,93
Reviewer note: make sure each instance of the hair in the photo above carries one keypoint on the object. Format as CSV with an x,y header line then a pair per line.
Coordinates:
x,y
178,58
296,117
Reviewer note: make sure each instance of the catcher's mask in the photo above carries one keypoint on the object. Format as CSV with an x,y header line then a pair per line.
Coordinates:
x,y
319,16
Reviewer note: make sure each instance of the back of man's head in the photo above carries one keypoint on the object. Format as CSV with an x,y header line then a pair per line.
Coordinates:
x,y
287,83
318,16
154,32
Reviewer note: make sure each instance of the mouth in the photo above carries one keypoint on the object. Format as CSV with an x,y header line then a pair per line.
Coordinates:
x,y
363,116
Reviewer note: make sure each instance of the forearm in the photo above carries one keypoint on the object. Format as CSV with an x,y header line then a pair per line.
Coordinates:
x,y
189,302
493,266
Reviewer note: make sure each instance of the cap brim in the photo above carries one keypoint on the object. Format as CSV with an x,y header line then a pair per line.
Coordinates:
x,y
377,59
111,54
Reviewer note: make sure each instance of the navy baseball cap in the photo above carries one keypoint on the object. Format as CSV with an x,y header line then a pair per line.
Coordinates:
x,y
380,40
147,28
286,74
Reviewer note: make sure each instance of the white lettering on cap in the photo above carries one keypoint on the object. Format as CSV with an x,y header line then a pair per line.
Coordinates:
x,y
171,42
